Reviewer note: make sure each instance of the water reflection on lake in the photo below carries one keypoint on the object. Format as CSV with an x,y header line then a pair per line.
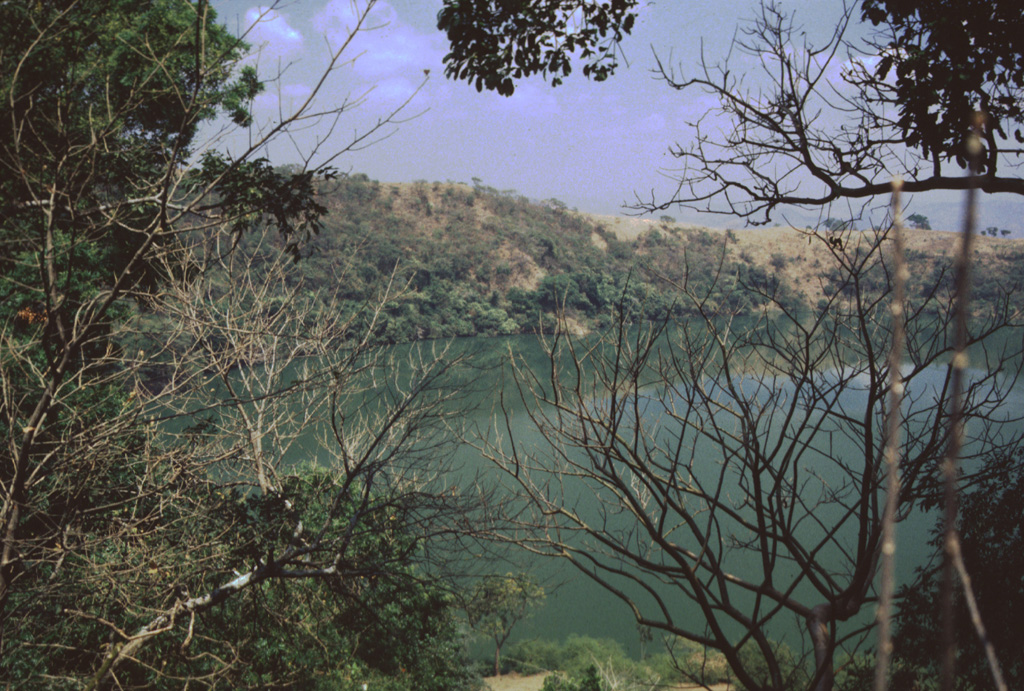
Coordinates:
x,y
581,606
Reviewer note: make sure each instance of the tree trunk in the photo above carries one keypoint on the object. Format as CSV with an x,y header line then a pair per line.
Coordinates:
x,y
817,626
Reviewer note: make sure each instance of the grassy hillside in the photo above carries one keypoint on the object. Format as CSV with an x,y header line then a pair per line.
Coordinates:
x,y
477,261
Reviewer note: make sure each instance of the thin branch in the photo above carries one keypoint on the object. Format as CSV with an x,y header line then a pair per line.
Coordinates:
x,y
891,445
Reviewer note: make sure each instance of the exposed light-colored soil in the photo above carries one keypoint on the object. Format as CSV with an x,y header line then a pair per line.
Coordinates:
x,y
803,257
516,682
630,227
804,260
533,682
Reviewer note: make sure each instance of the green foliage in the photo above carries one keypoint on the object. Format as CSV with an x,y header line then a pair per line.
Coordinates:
x,y
106,86
687,662
112,115
502,265
495,604
993,231
494,43
109,118
463,269
919,221
753,661
589,680
947,58
573,657
581,660
508,265
855,672
110,206
580,652
254,194
532,655
563,292
390,623
992,543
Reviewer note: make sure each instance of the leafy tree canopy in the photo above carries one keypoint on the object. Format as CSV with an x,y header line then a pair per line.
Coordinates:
x,y
950,58
992,540
122,229
494,42
497,603
919,221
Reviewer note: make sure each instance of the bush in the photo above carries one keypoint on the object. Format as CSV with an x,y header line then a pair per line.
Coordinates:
x,y
855,672
577,661
589,680
688,662
793,674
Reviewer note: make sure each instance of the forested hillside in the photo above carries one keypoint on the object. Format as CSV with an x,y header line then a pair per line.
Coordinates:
x,y
479,261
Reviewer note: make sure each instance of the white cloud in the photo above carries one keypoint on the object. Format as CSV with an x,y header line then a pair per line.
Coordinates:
x,y
296,91
270,34
386,47
287,99
277,51
339,18
652,123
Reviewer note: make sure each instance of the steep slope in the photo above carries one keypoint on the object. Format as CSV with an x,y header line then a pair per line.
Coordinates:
x,y
478,261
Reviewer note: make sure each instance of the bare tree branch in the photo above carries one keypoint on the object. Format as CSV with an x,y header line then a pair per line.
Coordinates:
x,y
797,134
724,477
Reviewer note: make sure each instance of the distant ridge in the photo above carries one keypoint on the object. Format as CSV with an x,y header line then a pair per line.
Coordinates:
x,y
480,261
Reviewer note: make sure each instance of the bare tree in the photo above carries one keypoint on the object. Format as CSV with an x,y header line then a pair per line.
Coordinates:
x,y
183,419
888,89
725,477
268,437
269,385
814,125
819,122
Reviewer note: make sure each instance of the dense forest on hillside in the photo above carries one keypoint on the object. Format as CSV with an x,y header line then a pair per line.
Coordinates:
x,y
466,261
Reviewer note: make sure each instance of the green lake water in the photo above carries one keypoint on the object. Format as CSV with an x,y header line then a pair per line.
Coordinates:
x,y
578,605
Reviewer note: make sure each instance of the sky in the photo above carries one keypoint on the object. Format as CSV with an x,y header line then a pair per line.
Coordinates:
x,y
594,146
